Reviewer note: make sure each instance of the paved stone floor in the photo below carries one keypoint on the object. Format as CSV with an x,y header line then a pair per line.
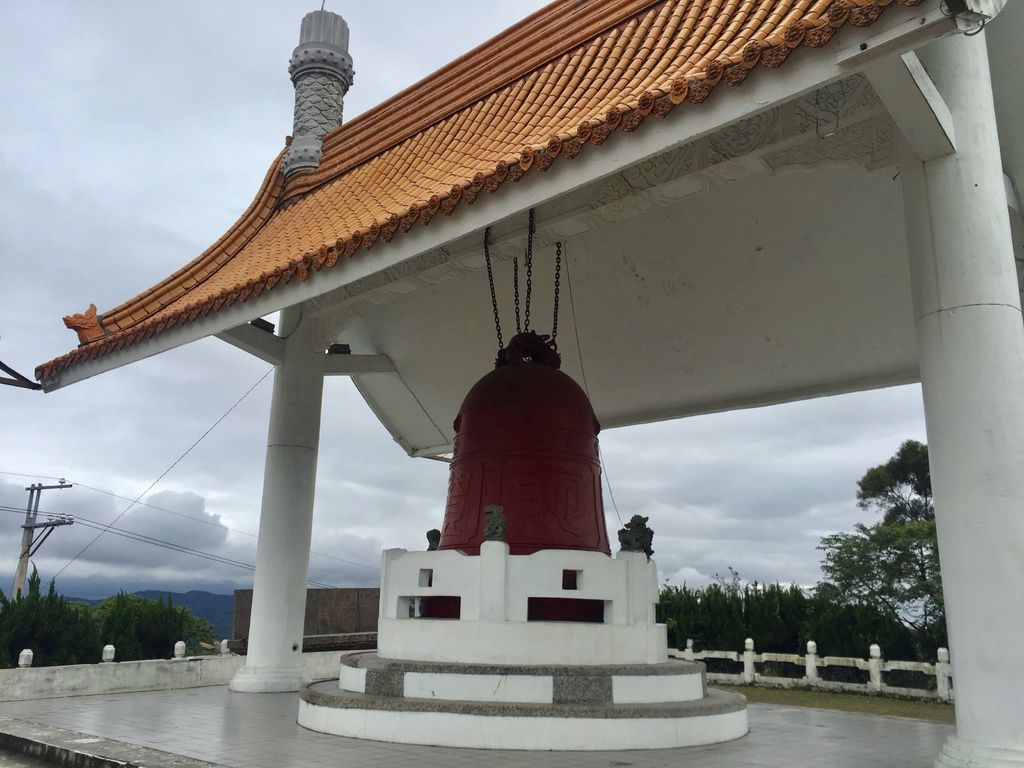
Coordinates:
x,y
19,761
243,730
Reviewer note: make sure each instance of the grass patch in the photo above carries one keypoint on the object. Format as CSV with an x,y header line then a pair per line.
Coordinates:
x,y
847,702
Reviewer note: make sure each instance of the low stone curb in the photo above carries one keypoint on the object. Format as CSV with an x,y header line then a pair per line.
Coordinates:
x,y
327,694
69,749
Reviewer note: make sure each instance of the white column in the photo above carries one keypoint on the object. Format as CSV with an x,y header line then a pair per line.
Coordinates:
x,y
274,656
493,581
971,350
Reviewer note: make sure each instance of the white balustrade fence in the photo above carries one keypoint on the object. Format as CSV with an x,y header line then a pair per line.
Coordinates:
x,y
875,666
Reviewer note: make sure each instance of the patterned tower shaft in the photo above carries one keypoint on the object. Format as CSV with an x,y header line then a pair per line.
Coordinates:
x,y
321,70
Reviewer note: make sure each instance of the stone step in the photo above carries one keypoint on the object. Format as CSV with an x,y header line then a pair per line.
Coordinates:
x,y
326,693
718,717
671,681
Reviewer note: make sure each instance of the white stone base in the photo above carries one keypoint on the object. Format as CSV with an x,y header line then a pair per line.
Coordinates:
x,y
960,753
535,642
494,590
443,729
266,680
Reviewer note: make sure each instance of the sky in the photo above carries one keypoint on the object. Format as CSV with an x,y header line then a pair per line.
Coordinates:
x,y
132,137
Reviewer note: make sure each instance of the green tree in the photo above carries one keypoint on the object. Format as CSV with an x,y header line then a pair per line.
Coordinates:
x,y
140,628
780,618
901,489
56,630
894,564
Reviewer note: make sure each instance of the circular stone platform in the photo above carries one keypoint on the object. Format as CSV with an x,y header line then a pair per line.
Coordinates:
x,y
643,706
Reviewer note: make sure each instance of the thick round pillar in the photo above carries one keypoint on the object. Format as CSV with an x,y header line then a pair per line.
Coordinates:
x,y
274,657
971,351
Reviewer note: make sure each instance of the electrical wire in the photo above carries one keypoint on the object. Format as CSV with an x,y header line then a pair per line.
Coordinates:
x,y
134,536
182,514
217,525
583,373
26,474
162,543
166,471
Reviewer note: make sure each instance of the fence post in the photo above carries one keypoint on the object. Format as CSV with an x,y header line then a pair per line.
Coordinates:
x,y
688,653
25,658
811,663
942,675
224,650
875,668
179,649
108,654
748,661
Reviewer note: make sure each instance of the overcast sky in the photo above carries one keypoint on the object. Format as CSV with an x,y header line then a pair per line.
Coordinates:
x,y
132,137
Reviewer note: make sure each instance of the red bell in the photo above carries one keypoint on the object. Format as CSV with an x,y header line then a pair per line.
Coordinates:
x,y
526,439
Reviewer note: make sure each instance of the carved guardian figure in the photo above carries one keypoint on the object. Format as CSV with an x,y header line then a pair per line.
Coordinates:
x,y
86,325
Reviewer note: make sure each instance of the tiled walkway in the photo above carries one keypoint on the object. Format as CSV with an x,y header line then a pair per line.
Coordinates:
x,y
235,729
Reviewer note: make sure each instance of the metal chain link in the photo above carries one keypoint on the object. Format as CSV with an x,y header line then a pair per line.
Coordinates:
x,y
515,283
490,279
529,272
558,283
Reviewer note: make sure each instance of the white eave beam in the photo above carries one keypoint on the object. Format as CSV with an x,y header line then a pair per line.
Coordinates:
x,y
1012,201
914,102
925,23
263,344
357,365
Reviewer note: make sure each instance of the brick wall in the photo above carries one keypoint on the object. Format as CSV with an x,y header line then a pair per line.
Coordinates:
x,y
328,611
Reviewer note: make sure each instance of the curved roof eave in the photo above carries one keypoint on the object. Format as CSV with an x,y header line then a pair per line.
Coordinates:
x,y
654,57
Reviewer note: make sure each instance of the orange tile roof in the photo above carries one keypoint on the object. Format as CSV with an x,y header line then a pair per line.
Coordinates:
x,y
563,78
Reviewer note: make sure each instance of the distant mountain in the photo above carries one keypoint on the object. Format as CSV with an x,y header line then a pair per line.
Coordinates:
x,y
216,609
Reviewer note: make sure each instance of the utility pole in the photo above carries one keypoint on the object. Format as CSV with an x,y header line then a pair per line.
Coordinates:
x,y
29,546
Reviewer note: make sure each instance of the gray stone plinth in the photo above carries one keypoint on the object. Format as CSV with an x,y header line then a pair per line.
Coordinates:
x,y
371,660
327,694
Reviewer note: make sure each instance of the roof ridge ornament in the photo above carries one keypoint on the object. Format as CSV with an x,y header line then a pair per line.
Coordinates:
x,y
321,70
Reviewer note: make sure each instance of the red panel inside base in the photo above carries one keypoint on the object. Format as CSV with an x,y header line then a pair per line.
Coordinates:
x,y
440,607
565,609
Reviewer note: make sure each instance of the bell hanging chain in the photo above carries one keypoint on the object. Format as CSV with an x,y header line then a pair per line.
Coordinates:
x,y
558,283
529,272
494,298
515,285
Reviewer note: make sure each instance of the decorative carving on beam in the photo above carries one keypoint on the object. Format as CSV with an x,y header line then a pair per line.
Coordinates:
x,y
870,143
833,123
817,114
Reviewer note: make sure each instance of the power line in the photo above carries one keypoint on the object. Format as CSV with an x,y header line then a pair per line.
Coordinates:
x,y
133,536
188,517
173,546
219,525
586,388
85,521
165,472
26,474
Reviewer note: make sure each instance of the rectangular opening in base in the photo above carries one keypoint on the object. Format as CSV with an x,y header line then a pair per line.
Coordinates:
x,y
565,609
426,577
571,579
440,607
